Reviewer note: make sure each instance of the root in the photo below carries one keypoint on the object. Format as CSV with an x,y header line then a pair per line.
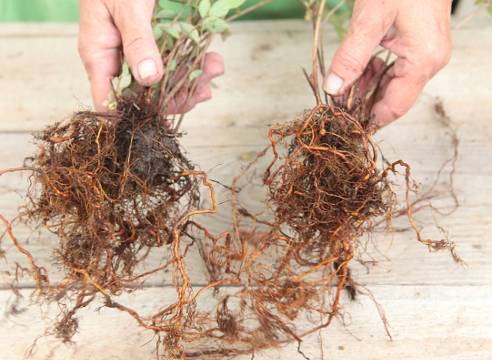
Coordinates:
x,y
116,187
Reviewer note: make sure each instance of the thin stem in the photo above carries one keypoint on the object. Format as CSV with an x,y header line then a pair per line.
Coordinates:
x,y
248,10
317,26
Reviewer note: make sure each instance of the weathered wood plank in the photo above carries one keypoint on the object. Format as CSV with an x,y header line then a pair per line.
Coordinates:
x,y
263,85
423,144
226,131
43,81
427,322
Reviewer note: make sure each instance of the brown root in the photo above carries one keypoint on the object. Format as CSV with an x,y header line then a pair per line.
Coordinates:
x,y
112,187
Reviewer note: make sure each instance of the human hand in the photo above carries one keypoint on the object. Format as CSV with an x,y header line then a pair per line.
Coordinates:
x,y
417,31
110,29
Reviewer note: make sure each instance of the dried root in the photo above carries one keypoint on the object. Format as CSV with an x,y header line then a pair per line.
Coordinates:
x,y
114,187
328,188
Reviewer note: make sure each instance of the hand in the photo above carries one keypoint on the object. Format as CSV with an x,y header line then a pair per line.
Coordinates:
x,y
417,31
109,26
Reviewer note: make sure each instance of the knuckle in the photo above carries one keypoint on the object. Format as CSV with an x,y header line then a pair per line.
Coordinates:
x,y
437,55
138,47
444,55
134,43
440,58
87,60
92,47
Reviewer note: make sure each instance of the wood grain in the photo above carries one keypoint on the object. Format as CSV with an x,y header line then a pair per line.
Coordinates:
x,y
426,322
436,309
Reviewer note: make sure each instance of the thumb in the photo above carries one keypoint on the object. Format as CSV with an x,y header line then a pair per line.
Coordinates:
x,y
133,19
370,22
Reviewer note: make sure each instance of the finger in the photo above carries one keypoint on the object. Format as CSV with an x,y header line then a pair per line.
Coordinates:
x,y
101,78
213,67
370,75
370,22
98,45
133,20
202,94
415,66
183,103
400,89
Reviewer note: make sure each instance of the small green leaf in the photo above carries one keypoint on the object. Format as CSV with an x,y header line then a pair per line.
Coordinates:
x,y
123,81
166,14
489,9
204,8
157,31
195,74
233,4
125,69
168,28
220,9
115,82
190,31
215,25
168,3
172,65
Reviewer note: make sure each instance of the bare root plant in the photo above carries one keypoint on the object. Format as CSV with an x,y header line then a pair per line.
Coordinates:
x,y
115,186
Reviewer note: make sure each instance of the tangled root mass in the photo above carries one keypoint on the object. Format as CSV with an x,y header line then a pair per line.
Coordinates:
x,y
111,187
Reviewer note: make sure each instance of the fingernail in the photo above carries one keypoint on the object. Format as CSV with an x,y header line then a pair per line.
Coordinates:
x,y
147,69
333,84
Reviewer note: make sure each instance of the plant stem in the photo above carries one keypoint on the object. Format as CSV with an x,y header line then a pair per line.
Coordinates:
x,y
317,26
248,10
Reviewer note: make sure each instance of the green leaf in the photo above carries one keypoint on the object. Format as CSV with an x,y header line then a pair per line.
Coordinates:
x,y
220,9
235,3
204,8
489,9
172,65
157,31
124,80
168,28
190,31
215,25
169,3
125,69
166,14
195,74
115,82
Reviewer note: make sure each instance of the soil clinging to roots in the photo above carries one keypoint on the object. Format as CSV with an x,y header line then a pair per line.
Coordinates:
x,y
113,187
110,188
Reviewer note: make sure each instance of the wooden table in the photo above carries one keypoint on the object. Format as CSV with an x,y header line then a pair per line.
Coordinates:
x,y
436,309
